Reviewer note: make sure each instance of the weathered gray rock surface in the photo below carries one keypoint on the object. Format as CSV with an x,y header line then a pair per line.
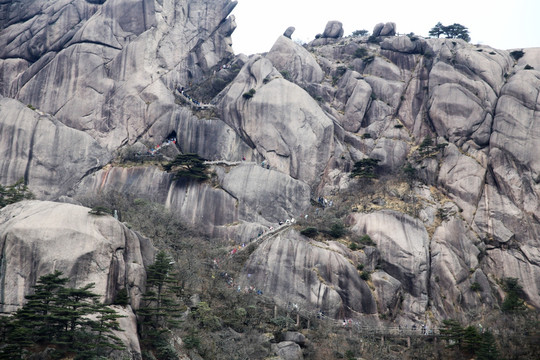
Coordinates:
x,y
49,156
92,52
288,350
102,76
399,236
290,58
314,276
281,121
333,29
39,237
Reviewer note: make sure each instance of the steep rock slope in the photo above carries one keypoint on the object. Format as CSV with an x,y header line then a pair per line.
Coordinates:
x,y
39,237
461,118
462,96
48,155
108,67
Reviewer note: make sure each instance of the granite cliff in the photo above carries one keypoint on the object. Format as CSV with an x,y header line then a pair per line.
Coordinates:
x,y
82,82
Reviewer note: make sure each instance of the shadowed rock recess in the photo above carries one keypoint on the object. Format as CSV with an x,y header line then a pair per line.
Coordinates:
x,y
84,81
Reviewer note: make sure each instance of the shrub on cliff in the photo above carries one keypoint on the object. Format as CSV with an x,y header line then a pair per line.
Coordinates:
x,y
365,168
249,94
514,293
13,193
189,166
517,54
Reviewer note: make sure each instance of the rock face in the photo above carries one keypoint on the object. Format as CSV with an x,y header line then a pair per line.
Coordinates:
x,y
39,237
295,61
333,30
281,121
48,155
452,125
91,51
314,277
242,197
398,236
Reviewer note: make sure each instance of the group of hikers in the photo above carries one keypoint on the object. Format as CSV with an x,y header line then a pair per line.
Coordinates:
x,y
265,164
168,142
232,284
187,96
325,202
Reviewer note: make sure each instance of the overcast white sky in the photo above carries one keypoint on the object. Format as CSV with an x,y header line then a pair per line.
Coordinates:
x,y
502,24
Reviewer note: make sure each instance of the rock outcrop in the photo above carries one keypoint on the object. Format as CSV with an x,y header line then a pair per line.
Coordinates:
x,y
452,125
290,30
388,29
40,237
279,119
398,236
315,277
333,30
50,156
295,62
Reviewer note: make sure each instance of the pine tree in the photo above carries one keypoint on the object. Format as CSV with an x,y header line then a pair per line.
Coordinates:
x,y
62,317
122,297
13,193
37,314
454,31
453,331
514,292
187,166
437,30
104,338
365,168
160,310
487,349
471,340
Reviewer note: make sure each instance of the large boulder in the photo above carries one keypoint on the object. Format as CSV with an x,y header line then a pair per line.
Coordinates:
x,y
287,56
388,29
40,237
290,30
314,276
333,30
279,119
288,350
